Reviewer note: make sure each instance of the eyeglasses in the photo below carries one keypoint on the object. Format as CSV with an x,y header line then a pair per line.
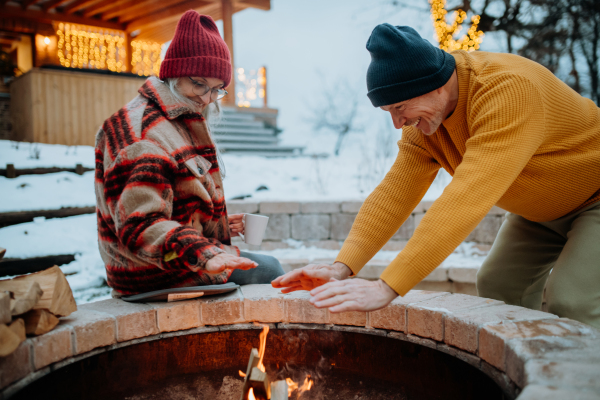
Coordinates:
x,y
201,89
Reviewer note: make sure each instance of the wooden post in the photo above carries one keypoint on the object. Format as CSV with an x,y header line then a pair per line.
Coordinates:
x,y
79,169
10,171
128,53
227,13
264,77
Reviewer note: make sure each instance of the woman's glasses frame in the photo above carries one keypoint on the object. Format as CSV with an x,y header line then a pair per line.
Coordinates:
x,y
201,89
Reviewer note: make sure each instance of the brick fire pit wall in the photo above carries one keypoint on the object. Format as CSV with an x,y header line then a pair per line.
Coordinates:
x,y
529,354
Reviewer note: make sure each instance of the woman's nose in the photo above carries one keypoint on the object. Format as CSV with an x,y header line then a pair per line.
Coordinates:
x,y
206,99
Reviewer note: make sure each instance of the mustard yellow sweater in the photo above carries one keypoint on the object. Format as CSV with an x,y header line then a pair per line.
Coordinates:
x,y
519,138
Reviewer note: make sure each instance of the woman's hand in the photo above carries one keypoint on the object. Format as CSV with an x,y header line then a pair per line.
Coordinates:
x,y
311,276
223,261
352,295
236,224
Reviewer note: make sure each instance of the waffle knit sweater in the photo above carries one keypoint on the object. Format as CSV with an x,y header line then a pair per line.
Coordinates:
x,y
519,138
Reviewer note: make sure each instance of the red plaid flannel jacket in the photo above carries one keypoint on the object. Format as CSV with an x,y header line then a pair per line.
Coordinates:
x,y
159,191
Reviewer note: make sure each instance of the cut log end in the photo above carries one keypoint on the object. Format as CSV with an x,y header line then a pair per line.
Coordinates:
x,y
20,305
9,340
38,322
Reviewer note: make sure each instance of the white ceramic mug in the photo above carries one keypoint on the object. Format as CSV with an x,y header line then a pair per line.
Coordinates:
x,y
254,228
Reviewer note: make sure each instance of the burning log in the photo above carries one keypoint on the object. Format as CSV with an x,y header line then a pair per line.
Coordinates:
x,y
260,383
252,363
279,390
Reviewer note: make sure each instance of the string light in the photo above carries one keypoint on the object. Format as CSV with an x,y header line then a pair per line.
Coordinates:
x,y
82,46
445,32
251,86
145,57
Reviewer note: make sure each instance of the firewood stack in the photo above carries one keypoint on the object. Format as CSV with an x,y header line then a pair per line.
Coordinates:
x,y
31,305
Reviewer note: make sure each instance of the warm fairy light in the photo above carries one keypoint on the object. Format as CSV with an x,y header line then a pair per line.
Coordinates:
x,y
81,46
145,57
445,32
251,85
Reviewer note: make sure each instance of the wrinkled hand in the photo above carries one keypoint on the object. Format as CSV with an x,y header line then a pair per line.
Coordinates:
x,y
311,276
236,224
223,261
352,295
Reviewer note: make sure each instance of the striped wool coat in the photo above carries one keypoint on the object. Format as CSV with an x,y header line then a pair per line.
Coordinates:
x,y
159,192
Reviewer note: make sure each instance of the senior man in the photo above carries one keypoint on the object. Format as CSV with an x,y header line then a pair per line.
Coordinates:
x,y
511,134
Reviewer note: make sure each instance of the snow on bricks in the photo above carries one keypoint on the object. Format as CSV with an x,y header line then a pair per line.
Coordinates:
x,y
520,349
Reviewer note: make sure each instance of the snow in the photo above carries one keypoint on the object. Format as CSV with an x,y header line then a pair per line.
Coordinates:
x,y
39,155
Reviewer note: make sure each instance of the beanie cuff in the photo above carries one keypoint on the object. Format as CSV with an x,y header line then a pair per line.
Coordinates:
x,y
207,67
402,91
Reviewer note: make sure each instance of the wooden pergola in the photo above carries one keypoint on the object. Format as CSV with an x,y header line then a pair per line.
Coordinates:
x,y
149,20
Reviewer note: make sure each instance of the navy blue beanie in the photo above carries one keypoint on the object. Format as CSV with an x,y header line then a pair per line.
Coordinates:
x,y
404,65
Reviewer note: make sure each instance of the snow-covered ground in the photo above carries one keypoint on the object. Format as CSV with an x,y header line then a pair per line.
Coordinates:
x,y
87,276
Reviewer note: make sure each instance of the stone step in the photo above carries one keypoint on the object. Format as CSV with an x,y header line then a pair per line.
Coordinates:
x,y
261,149
234,116
224,138
244,131
237,123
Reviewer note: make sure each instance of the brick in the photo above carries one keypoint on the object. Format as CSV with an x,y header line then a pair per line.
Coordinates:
x,y
311,226
16,365
320,207
300,310
52,346
486,231
352,207
393,316
177,315
421,341
279,227
394,245
91,330
537,392
440,274
426,319
406,230
323,244
493,337
263,303
242,207
133,320
354,318
462,274
356,329
560,373
340,225
222,309
461,328
279,207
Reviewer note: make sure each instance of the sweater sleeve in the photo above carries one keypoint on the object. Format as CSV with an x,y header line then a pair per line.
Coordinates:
x,y
390,204
506,128
139,193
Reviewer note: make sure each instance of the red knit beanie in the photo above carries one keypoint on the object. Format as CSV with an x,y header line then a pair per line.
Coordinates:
x,y
197,49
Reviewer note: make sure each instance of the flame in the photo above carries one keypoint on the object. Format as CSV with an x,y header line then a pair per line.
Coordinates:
x,y
291,386
243,375
306,385
261,348
251,394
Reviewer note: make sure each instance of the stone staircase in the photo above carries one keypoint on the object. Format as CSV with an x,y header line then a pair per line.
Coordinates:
x,y
251,132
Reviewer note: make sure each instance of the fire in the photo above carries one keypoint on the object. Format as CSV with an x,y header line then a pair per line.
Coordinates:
x,y
261,348
251,394
243,375
291,386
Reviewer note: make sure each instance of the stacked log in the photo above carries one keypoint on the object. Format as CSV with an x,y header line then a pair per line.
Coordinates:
x,y
31,305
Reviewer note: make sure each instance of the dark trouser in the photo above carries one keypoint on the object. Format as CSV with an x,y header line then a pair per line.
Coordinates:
x,y
268,269
519,264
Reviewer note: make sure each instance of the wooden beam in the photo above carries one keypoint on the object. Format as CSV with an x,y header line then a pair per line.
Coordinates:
x,y
102,6
77,5
44,17
128,52
53,4
227,14
156,18
139,9
260,4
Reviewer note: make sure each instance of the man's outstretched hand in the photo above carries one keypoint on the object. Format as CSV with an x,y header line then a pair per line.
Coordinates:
x,y
311,276
352,295
223,261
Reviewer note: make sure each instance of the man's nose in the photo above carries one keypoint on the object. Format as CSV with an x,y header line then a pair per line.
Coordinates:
x,y
398,122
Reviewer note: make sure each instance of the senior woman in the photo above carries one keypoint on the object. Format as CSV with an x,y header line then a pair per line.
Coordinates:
x,y
162,217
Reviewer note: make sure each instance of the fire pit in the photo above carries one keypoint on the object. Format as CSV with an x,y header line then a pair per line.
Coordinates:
x,y
426,345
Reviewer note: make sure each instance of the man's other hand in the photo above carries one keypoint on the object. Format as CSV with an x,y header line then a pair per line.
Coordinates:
x,y
311,276
352,295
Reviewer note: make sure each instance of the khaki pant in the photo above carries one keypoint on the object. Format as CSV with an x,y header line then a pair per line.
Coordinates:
x,y
519,264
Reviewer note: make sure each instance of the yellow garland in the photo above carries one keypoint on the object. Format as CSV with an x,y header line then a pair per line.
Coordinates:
x,y
145,57
445,32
